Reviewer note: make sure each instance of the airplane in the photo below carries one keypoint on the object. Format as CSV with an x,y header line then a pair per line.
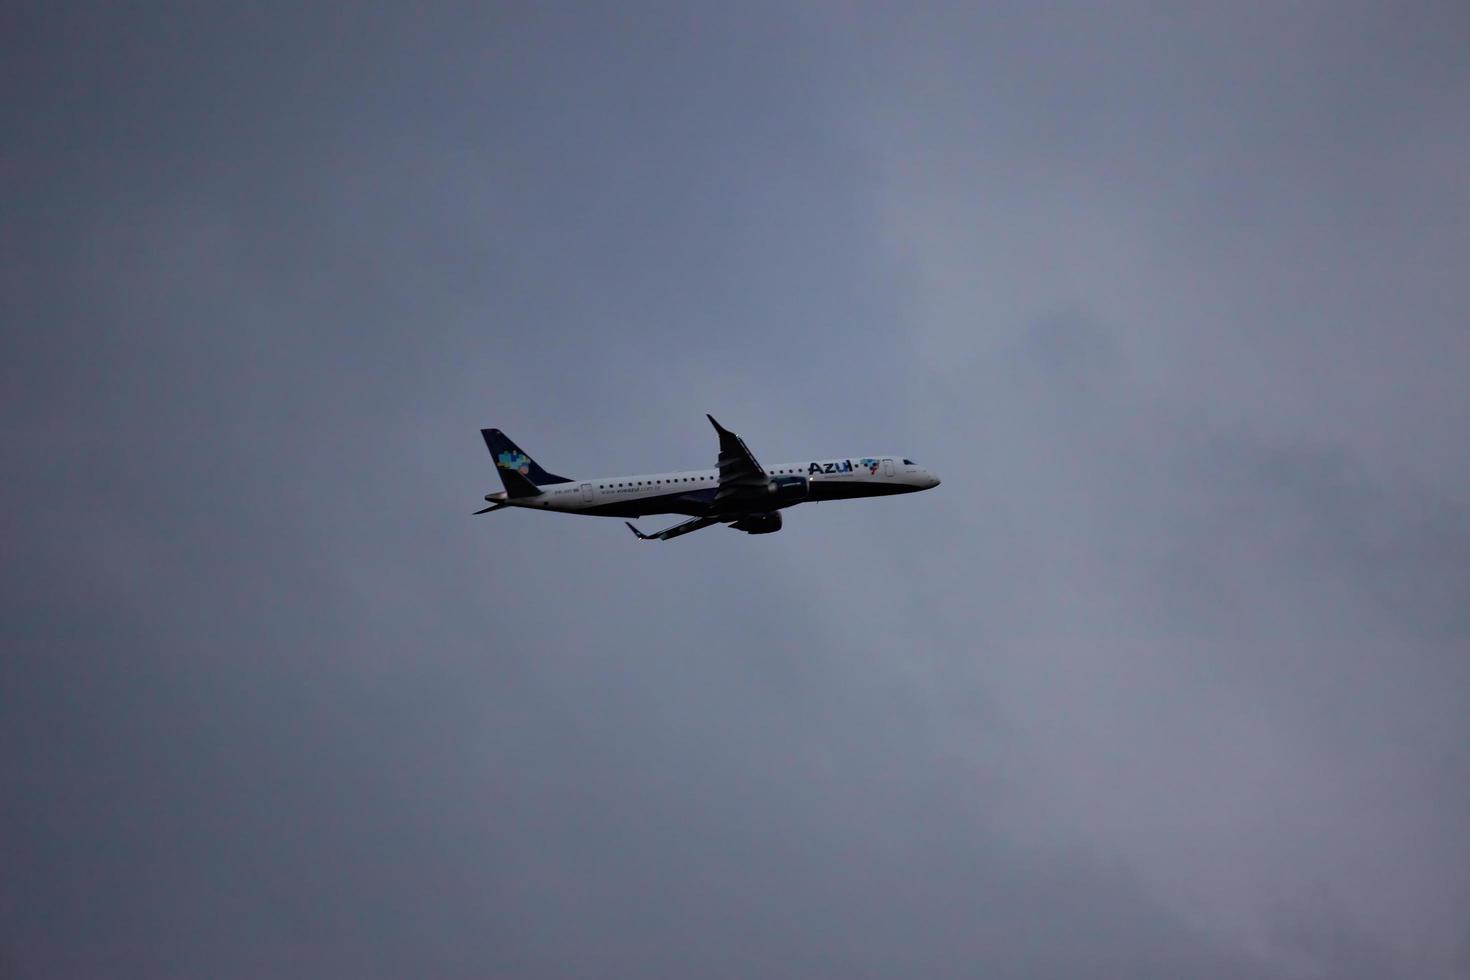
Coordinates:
x,y
739,491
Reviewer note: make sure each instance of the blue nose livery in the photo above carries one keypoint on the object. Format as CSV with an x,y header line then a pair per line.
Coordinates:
x,y
738,491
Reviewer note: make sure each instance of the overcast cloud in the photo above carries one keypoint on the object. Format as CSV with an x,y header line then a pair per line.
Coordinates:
x,y
1170,677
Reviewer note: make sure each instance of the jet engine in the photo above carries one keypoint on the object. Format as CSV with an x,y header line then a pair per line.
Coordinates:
x,y
786,490
759,523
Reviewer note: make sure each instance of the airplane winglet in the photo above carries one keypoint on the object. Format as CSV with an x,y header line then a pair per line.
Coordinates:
x,y
641,535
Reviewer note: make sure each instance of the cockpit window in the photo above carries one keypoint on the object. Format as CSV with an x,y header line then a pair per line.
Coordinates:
x,y
909,462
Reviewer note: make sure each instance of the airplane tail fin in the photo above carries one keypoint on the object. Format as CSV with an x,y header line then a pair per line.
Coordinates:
x,y
517,486
519,472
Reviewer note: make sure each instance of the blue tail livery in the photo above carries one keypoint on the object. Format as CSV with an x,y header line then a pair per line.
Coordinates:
x,y
516,469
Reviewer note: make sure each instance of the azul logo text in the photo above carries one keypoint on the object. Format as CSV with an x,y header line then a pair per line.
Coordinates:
x,y
840,466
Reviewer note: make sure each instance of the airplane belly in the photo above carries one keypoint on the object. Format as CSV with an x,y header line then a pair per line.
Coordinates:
x,y
690,504
850,489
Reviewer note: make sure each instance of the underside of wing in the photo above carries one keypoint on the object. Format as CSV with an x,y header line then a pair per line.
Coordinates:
x,y
675,531
741,476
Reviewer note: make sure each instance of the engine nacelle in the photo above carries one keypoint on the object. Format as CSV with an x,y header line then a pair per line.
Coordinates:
x,y
785,490
759,523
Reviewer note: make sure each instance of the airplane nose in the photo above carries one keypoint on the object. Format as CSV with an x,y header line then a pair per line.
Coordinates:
x,y
933,481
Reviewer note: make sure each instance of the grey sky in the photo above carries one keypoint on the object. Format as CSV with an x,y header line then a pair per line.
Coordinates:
x,y
1171,677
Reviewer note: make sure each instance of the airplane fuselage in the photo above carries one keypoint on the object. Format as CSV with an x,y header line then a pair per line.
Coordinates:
x,y
692,492
738,491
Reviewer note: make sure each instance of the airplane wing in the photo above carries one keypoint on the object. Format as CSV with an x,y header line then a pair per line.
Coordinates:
x,y
740,474
675,531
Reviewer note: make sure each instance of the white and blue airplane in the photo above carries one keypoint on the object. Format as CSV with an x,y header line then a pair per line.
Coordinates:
x,y
739,491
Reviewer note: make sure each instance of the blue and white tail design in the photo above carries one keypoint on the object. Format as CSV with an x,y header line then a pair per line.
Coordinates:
x,y
515,467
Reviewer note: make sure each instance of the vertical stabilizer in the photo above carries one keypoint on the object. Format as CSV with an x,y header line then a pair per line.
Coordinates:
x,y
516,469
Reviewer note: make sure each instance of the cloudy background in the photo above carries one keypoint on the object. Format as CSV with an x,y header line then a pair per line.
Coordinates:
x,y
1170,678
